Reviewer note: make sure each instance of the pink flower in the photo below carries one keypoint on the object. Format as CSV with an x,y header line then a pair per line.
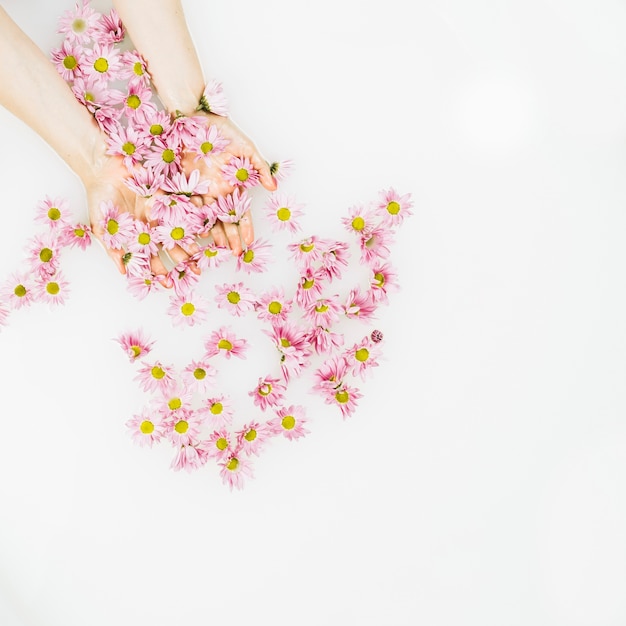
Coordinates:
x,y
252,437
178,233
293,347
392,207
134,68
225,342
345,398
190,457
307,251
234,298
52,289
213,99
135,344
207,142
232,207
179,184
360,305
220,444
67,59
129,144
53,212
170,208
142,240
359,220
217,411
156,377
146,428
4,314
145,182
109,28
102,62
108,118
273,307
330,375
375,245
255,257
141,286
362,357
283,212
89,91
384,279
136,263
281,169
334,259
17,290
325,341
117,226
183,280
234,470
165,156
182,427
290,422
187,310
76,236
78,24
210,257
239,172
323,312
310,286
199,375
43,254
268,392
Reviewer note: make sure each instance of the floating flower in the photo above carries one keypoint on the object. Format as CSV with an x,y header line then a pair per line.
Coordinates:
x,y
362,357
52,289
145,428
225,342
135,344
360,220
210,257
199,375
392,207
67,59
187,310
283,212
335,259
141,286
102,62
78,24
217,411
213,99
330,375
235,298
76,236
156,377
239,172
183,279
190,457
252,437
109,28
220,444
268,392
375,245
142,239
234,470
43,254
145,182
290,422
232,207
383,280
345,398
279,170
273,307
254,258
182,427
323,312
206,143
117,226
129,144
179,184
17,290
324,340
134,69
360,305
164,156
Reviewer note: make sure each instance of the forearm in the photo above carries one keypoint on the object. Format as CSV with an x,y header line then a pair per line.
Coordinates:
x,y
158,30
32,89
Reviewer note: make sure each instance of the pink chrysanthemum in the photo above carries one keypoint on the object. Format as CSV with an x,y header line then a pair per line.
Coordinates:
x,y
183,279
182,185
375,245
141,286
165,156
142,239
187,310
144,182
134,69
76,236
335,259
18,290
225,342
109,29
146,428
280,170
170,208
102,62
199,376
273,307
182,427
52,289
108,118
255,257
217,411
53,212
67,59
392,207
252,437
190,457
43,254
210,257
78,24
235,298
206,143
290,422
362,357
268,392
293,347
156,377
117,226
4,314
345,398
360,305
360,219
383,280
129,144
178,233
175,404
135,344
310,287
234,470
323,312
324,341
330,375
239,172
307,251
283,212
90,92
220,443
136,263
232,207
213,99
184,128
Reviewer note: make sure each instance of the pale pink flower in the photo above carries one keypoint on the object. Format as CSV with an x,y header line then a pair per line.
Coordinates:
x,y
217,411
293,346
136,102
290,422
199,376
235,298
134,69
335,259
213,99
67,59
324,341
165,156
187,310
18,290
362,357
142,239
234,470
252,437
225,342
323,312
268,392
156,377
383,280
43,254
182,427
118,226
283,212
176,403
53,212
273,307
392,207
190,457
255,257
144,182
135,344
307,251
210,257
90,92
52,289
184,128
102,62
375,245
76,236
78,24
232,207
145,428
207,142
310,286
141,286
345,398
360,305
108,118
206,219
4,314
170,208
330,375
183,280
360,220
239,172
177,233
136,263
129,144
109,29
220,443
179,184
280,170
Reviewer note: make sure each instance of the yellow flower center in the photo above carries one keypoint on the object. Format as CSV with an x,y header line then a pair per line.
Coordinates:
x,y
79,232
307,247
79,25
275,307
362,355
20,291
233,297
129,148
187,309
144,239
224,344
133,101
89,97
138,69
157,372
221,443
168,155
156,129
53,288
393,208
358,223
181,427
285,343
265,390
206,147
70,62
136,350
242,175
248,256
177,233
322,308
217,408
101,65
210,253
232,464
250,435
45,255
379,278
342,397
283,214
307,284
174,404
288,422
199,373
112,227
146,427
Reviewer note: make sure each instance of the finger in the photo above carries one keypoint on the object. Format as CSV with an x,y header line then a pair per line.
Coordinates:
x,y
262,166
246,229
115,255
177,254
156,265
219,236
234,240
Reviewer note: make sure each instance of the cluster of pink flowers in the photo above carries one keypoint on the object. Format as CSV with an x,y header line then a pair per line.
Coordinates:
x,y
335,282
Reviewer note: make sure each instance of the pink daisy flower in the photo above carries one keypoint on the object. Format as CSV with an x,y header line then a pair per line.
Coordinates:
x,y
255,257
53,212
234,470
360,305
335,259
144,182
178,233
210,257
108,118
362,357
136,263
220,444
176,404
52,289
183,280
179,184
252,437
199,376
156,377
90,92
146,429
330,375
310,287
43,254
375,245
182,427
359,220
323,312
136,102
78,24
117,226
213,99
345,398
67,59
187,310
307,251
273,307
18,290
383,280
142,240
129,144
185,127
4,314
170,208
102,62
324,341
165,156
225,342
239,172
109,29
205,216
207,142
392,207
283,212
234,298
217,411
141,286
135,344
290,422
190,457
280,170
232,207
268,392
293,347
135,70
76,236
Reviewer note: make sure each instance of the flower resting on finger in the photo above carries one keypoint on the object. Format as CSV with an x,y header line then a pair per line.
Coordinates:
x,y
117,226
279,170
239,172
206,143
76,236
183,280
210,257
232,207
135,344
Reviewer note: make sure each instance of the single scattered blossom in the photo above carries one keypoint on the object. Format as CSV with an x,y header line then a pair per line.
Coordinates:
x,y
141,286
360,220
220,443
252,437
392,207
53,212
283,212
310,286
335,259
290,422
156,377
375,245
273,307
190,456
235,298
362,357
134,68
292,345
43,254
213,99
255,257
199,376
52,289
234,470
330,375
18,290
239,172
324,341
268,392
345,398
383,280
146,428
323,312
360,305
279,170
179,183
224,341
217,411
109,28
307,251
187,310
76,236
183,279
117,225
135,344
210,256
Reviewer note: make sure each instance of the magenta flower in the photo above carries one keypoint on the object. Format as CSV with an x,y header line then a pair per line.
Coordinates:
x,y
179,184
335,259
392,207
383,280
144,182
129,144
170,208
225,342
345,398
360,219
360,305
283,212
118,226
108,118
146,429
109,29
323,312
310,287
165,156
76,236
255,257
190,457
235,298
293,347
18,290
375,245
213,99
239,172
183,280
135,344
43,254
234,470
362,357
199,376
252,437
307,251
290,422
156,377
268,392
210,257
141,286
217,411
52,289
324,341
187,310
330,375
273,307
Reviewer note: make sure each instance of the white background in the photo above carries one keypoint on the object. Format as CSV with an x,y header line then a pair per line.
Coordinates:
x,y
483,479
